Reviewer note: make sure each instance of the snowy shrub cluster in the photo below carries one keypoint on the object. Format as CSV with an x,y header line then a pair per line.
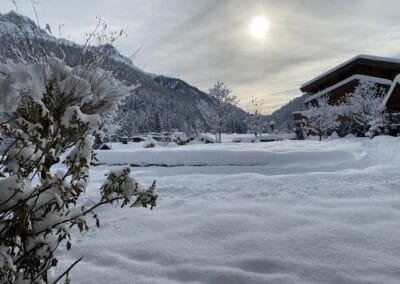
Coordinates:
x,y
150,142
364,106
179,138
357,113
322,118
379,126
52,108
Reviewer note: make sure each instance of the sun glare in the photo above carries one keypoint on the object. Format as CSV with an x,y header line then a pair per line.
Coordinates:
x,y
259,27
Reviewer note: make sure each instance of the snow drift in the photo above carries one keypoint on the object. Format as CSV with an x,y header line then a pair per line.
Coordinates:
x,y
275,154
246,226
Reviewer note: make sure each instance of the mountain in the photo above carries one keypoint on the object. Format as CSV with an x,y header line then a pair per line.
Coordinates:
x,y
283,117
160,103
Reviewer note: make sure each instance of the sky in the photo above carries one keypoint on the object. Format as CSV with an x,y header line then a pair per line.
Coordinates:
x,y
206,41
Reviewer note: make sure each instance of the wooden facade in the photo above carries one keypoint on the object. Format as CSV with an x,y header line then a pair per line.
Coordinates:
x,y
297,118
392,108
337,94
392,103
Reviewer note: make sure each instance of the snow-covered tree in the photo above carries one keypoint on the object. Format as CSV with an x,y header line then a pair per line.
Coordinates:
x,y
53,108
110,126
222,106
322,117
364,105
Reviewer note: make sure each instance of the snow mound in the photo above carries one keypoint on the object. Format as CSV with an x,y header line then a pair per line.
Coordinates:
x,y
274,154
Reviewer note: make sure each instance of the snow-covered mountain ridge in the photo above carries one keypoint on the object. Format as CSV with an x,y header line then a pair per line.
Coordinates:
x,y
170,102
161,101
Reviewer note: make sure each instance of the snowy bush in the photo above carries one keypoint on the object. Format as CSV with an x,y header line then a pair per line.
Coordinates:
x,y
333,136
322,118
179,138
378,126
53,108
364,105
150,142
205,138
244,140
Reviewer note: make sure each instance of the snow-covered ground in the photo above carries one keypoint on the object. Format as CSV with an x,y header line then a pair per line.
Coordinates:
x,y
279,212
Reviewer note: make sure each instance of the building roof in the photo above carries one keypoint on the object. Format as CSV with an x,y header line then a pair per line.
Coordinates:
x,y
358,77
345,66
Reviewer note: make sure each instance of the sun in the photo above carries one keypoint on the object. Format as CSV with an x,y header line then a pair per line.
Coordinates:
x,y
259,27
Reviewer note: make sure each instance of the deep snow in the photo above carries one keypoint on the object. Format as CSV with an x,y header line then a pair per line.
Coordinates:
x,y
287,212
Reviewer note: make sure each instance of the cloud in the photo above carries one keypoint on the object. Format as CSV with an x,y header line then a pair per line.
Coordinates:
x,y
205,41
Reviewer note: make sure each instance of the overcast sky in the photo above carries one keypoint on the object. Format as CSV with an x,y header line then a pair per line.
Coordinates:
x,y
209,40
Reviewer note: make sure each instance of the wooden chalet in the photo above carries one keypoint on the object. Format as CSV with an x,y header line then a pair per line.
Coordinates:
x,y
341,80
344,78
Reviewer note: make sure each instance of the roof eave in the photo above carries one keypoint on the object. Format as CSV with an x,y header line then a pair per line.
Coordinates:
x,y
320,77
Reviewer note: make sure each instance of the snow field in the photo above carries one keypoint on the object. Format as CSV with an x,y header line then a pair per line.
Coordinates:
x,y
334,221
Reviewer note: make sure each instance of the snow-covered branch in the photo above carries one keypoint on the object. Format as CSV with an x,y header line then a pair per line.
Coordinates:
x,y
53,108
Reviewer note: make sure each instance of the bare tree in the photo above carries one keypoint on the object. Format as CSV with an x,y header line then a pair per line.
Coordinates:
x,y
256,122
224,101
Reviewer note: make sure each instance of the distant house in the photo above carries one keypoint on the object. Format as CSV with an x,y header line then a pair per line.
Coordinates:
x,y
297,118
342,80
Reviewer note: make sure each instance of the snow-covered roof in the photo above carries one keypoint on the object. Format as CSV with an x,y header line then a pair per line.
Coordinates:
x,y
390,92
358,77
361,56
